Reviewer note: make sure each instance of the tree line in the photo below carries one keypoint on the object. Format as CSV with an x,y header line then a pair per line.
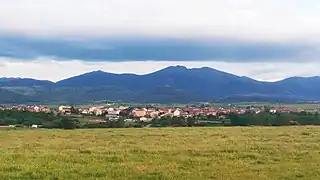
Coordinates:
x,y
274,119
50,120
45,120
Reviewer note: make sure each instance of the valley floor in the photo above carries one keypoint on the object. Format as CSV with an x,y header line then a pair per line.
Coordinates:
x,y
239,153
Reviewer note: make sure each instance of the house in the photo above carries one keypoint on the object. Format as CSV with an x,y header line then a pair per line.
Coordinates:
x,y
144,119
273,111
45,109
65,109
140,113
113,114
154,114
213,113
34,126
85,111
258,111
242,111
123,107
36,108
177,113
91,110
98,112
164,110
33,109
185,114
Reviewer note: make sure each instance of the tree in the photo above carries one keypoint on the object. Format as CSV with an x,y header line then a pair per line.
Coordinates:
x,y
178,121
125,113
69,123
190,121
120,123
10,121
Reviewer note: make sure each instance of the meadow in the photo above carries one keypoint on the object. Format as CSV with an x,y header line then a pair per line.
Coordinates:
x,y
223,153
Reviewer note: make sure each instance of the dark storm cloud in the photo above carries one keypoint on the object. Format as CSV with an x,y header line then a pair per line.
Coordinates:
x,y
151,48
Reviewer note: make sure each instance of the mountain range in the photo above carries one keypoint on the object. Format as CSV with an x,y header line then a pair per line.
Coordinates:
x,y
174,84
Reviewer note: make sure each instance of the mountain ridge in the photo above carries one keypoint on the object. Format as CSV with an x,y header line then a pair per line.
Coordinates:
x,y
171,84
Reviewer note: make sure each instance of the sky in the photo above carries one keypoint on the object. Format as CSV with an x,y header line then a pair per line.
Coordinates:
x,y
266,40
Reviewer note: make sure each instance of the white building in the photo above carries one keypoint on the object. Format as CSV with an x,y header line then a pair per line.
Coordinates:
x,y
273,111
177,113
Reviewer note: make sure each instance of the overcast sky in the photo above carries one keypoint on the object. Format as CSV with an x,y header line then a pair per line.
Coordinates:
x,y
264,39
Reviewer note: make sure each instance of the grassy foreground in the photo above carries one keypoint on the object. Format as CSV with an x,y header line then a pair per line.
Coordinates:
x,y
183,153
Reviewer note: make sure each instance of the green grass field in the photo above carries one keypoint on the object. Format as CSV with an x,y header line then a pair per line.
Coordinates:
x,y
262,153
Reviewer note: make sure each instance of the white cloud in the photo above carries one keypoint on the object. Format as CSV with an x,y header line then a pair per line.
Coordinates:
x,y
49,69
262,19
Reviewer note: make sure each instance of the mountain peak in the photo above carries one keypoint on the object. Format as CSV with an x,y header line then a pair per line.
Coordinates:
x,y
95,73
98,72
177,67
206,68
171,69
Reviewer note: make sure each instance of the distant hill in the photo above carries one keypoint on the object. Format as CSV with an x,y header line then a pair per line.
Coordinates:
x,y
24,82
174,84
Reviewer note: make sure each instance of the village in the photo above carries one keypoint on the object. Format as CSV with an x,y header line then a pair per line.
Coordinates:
x,y
112,112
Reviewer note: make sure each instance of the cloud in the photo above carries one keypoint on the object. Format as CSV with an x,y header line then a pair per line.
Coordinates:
x,y
50,69
155,48
179,30
253,19
262,39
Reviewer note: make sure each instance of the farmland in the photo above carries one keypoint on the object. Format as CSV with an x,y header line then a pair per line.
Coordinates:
x,y
239,153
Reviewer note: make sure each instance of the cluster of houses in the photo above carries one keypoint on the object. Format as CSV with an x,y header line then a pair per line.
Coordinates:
x,y
147,114
292,110
44,109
